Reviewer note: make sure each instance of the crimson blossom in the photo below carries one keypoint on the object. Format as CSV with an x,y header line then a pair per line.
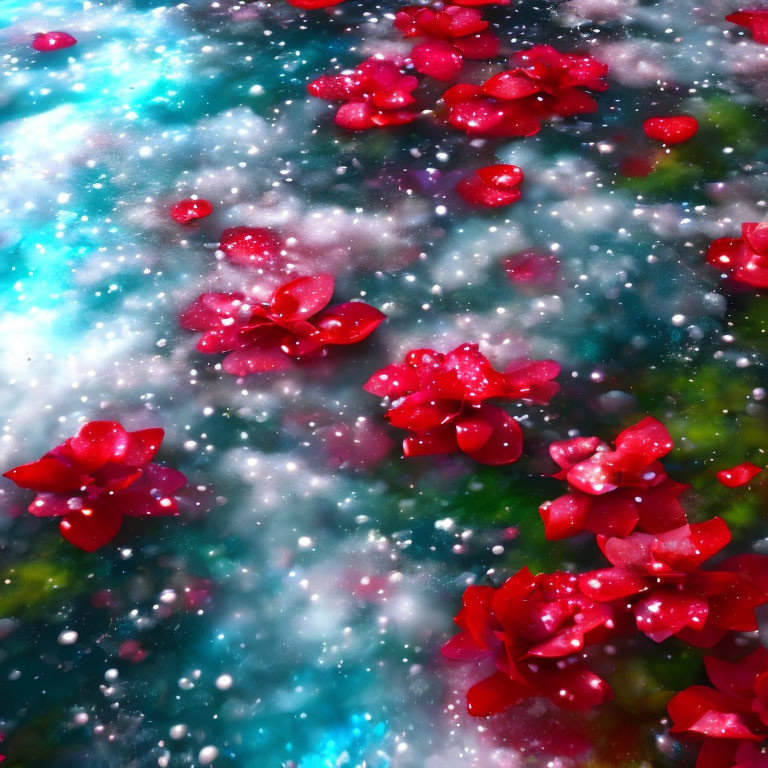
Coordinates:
x,y
614,491
441,400
375,94
542,83
95,478
659,578
453,34
731,719
745,257
313,5
52,41
532,629
295,323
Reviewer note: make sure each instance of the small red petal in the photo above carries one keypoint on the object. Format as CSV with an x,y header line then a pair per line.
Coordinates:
x,y
186,211
53,41
349,322
99,442
671,130
437,59
510,85
739,475
301,298
47,474
90,529
251,246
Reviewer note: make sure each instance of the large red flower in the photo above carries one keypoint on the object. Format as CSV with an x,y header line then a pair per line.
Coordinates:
x,y
731,719
745,258
453,34
441,400
542,83
532,628
614,491
375,94
660,578
295,323
95,478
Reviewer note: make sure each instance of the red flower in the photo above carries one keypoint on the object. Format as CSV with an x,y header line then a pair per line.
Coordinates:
x,y
257,247
187,211
541,84
492,186
375,94
613,492
532,628
739,475
295,323
755,21
745,257
95,478
659,578
731,719
440,400
52,41
454,33
671,130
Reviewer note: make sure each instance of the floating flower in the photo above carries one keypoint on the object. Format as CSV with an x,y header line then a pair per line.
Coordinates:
x,y
614,491
532,629
376,94
730,719
295,323
756,21
192,209
671,130
441,400
542,83
96,478
454,34
660,577
256,247
739,475
53,41
492,186
745,257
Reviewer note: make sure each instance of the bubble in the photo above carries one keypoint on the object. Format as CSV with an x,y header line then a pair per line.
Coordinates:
x,y
68,637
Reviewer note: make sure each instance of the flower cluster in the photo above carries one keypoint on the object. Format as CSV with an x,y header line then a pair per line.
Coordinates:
x,y
441,399
538,630
375,94
452,34
295,323
95,478
745,258
541,83
611,492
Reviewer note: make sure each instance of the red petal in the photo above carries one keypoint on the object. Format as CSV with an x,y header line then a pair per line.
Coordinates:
x,y
313,5
739,475
574,687
392,381
478,47
143,445
565,516
568,453
90,529
422,410
611,584
494,695
756,21
510,85
437,59
99,442
702,710
301,298
615,514
251,246
664,612
355,116
47,474
687,547
737,678
209,309
462,647
648,438
186,211
475,192
671,130
505,442
348,323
